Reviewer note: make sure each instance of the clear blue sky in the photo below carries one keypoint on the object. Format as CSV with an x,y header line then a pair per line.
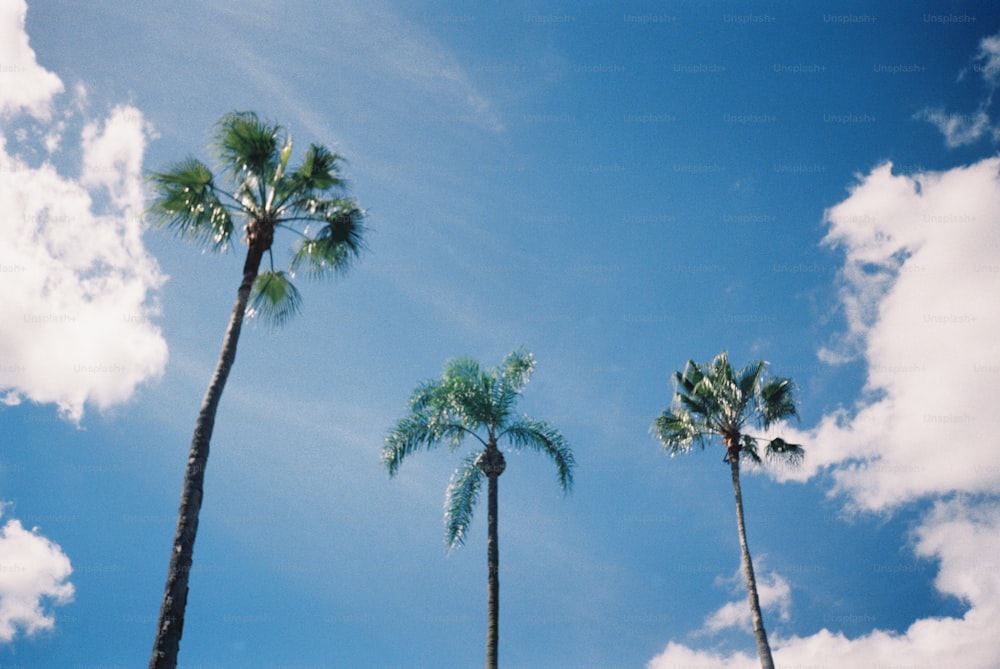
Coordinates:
x,y
618,188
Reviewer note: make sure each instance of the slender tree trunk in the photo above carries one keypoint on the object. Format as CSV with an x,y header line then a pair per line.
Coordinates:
x,y
493,588
763,649
492,465
170,625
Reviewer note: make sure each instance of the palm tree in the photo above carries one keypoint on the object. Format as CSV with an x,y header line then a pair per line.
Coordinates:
x,y
469,402
264,195
713,400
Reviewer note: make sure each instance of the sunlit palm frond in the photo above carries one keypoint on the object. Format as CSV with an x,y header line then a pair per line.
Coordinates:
x,y
543,438
512,377
678,431
318,171
461,498
338,243
748,380
274,299
410,434
248,146
185,200
712,400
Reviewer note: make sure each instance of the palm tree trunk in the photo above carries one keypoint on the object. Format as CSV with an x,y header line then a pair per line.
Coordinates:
x,y
493,588
763,649
170,625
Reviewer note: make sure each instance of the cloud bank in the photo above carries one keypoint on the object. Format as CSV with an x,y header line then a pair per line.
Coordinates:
x,y
76,282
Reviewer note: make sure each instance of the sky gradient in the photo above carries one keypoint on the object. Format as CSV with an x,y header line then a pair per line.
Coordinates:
x,y
617,188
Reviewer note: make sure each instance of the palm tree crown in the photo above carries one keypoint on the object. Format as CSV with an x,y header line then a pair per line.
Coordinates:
x,y
266,195
470,402
714,400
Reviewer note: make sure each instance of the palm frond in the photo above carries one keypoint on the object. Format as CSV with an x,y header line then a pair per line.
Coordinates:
x,y
777,400
678,430
543,438
185,200
410,434
516,369
338,243
248,147
748,378
512,377
460,500
780,450
274,299
749,450
318,171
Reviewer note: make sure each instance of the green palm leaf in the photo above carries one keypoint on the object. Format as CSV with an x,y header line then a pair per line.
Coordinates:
x,y
541,437
711,400
338,243
777,401
460,500
186,201
780,450
248,147
274,299
411,433
468,401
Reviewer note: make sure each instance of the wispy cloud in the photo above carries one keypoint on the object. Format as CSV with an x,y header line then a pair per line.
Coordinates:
x,y
962,129
775,596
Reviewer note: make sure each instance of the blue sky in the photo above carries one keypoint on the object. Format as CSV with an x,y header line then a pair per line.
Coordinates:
x,y
618,188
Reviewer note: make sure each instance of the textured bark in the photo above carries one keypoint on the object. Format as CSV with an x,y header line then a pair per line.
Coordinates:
x,y
763,649
170,625
492,465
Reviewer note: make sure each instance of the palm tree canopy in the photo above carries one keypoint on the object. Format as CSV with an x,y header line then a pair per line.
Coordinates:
x,y
467,401
715,400
260,190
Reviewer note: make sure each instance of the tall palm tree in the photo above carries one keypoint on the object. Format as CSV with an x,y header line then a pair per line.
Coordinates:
x,y
714,400
469,402
264,195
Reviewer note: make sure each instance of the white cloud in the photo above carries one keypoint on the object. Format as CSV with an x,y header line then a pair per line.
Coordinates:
x,y
958,129
962,129
75,279
919,284
773,592
966,540
920,279
112,157
25,86
33,573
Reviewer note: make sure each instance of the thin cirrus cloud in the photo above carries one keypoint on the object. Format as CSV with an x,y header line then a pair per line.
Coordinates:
x,y
75,280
